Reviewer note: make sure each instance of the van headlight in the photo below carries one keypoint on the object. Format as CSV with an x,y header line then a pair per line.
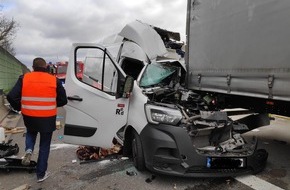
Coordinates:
x,y
158,114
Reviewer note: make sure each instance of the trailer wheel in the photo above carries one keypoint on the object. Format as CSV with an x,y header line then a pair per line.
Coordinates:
x,y
137,151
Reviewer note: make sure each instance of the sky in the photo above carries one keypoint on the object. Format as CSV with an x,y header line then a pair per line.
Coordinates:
x,y
47,28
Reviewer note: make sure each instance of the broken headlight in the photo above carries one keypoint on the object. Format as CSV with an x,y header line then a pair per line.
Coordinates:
x,y
158,114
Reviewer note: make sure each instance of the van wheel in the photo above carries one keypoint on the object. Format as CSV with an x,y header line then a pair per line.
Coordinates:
x,y
137,151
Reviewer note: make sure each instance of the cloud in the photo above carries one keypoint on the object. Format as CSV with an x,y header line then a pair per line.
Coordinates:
x,y
48,28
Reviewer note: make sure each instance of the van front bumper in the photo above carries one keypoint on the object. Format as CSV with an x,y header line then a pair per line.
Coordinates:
x,y
169,150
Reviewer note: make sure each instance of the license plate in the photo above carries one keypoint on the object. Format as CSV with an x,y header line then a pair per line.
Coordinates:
x,y
225,163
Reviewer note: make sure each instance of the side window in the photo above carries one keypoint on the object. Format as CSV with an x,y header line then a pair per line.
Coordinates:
x,y
97,70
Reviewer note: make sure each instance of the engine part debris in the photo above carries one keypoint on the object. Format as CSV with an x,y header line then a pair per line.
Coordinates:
x,y
131,173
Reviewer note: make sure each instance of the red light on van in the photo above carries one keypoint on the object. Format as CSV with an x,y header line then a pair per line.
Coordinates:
x,y
121,105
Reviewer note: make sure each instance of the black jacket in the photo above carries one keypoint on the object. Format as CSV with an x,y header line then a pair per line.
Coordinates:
x,y
41,124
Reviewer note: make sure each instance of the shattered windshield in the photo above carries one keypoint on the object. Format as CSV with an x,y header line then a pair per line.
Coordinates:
x,y
155,73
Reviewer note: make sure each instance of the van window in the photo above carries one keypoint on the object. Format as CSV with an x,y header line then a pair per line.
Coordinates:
x,y
98,69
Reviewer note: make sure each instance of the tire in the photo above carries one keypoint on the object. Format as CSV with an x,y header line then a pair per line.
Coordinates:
x,y
137,152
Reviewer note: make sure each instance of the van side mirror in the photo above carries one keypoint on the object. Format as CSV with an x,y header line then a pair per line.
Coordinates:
x,y
128,86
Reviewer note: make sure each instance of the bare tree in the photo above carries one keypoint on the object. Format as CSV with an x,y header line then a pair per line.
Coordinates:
x,y
8,30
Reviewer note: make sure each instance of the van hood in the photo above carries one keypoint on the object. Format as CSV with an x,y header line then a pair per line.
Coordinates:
x,y
144,35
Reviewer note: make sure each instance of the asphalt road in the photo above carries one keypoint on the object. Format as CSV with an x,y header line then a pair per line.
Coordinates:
x,y
120,174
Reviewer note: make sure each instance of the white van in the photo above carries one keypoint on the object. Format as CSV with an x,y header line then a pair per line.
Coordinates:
x,y
132,90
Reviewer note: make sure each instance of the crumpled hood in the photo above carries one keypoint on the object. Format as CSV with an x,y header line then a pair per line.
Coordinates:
x,y
146,37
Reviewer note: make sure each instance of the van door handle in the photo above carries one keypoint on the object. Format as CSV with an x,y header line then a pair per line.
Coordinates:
x,y
75,97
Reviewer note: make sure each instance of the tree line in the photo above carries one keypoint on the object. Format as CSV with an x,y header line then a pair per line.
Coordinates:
x,y
8,29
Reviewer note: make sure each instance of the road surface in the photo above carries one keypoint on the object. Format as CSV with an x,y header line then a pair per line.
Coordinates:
x,y
120,174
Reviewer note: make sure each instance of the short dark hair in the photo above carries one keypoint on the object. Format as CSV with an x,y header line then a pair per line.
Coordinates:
x,y
39,63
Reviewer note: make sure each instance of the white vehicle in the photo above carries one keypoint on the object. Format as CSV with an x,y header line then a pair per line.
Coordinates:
x,y
169,113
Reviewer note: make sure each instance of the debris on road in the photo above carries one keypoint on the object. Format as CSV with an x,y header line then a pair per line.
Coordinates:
x,y
131,173
15,130
15,163
58,125
96,153
8,150
174,186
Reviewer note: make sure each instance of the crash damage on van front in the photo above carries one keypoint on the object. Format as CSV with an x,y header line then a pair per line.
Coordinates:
x,y
187,135
133,90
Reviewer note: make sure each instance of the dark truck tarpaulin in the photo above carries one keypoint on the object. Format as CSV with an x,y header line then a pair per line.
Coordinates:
x,y
239,47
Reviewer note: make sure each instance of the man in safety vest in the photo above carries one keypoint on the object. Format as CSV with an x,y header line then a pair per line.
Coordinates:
x,y
37,95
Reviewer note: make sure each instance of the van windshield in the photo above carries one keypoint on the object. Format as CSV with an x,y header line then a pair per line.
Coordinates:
x,y
155,73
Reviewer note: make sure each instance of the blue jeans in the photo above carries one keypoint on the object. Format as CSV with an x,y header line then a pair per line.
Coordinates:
x,y
44,149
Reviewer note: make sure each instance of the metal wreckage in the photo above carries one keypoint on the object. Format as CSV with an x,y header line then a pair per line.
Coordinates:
x,y
188,133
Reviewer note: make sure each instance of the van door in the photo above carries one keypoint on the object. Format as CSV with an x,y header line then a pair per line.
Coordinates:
x,y
96,109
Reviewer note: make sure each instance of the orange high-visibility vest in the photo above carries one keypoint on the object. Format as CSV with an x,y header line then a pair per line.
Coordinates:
x,y
39,95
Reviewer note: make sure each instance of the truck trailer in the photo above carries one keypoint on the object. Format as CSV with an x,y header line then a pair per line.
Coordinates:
x,y
171,114
239,50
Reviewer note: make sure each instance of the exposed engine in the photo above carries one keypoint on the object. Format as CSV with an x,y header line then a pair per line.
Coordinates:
x,y
212,132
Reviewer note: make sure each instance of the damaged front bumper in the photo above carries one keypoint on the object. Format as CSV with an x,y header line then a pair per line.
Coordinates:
x,y
170,150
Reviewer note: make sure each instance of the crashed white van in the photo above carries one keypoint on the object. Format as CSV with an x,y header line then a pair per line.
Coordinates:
x,y
132,91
